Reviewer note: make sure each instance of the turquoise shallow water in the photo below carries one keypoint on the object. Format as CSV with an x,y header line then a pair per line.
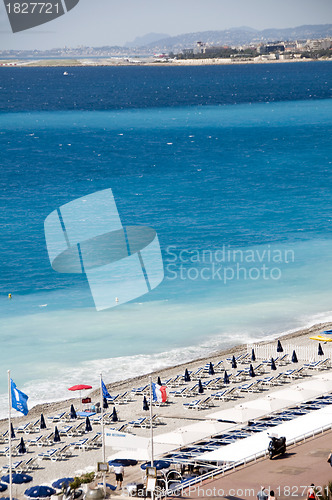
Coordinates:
x,y
239,194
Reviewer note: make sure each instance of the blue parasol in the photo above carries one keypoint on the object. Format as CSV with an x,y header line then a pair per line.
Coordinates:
x,y
56,438
65,481
72,412
22,449
159,381
320,350
211,369
253,355
251,371
125,462
234,363
294,357
279,347
200,387
3,487
158,464
186,376
39,492
88,426
17,478
226,378
145,404
273,365
114,416
42,422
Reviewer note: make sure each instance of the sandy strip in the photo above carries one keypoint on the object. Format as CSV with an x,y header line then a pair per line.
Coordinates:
x,y
172,416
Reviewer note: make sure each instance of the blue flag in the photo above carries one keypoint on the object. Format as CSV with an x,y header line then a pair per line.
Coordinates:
x,y
106,394
19,399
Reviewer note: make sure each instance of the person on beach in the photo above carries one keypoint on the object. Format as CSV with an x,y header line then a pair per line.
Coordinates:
x,y
330,459
272,496
119,473
262,494
311,495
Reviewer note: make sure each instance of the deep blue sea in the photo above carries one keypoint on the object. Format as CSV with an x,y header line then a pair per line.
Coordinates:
x,y
231,165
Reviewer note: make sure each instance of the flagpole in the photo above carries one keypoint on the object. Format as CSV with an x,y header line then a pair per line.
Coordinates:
x,y
10,437
102,429
151,430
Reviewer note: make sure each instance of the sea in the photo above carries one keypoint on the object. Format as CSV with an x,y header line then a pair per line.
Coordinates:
x,y
232,167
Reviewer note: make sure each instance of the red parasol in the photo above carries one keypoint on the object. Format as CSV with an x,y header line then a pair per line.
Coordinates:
x,y
79,387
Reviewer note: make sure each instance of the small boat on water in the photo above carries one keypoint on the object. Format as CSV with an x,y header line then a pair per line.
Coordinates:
x,y
65,73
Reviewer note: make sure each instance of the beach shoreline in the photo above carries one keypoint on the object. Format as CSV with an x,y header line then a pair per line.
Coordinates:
x,y
129,383
114,62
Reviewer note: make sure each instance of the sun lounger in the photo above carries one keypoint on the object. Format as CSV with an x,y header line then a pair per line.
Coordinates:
x,y
15,466
76,430
27,428
282,360
199,373
250,387
219,367
140,390
52,454
92,443
273,380
24,466
46,440
229,394
57,417
175,381
34,441
322,364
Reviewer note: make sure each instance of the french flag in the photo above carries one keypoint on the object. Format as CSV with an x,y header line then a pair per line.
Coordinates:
x,y
159,393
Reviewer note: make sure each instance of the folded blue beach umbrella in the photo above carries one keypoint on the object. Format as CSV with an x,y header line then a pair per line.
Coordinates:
x,y
114,416
56,438
72,412
22,449
105,403
234,363
88,426
39,491
320,350
279,347
200,387
186,376
145,404
251,371
273,365
64,481
17,478
12,432
294,357
42,422
226,378
3,487
253,355
211,369
159,381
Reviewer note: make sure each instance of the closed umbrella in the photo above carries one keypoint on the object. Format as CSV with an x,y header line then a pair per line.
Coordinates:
x,y
159,381
39,491
253,355
294,357
42,422
251,371
211,369
234,363
88,426
273,365
105,403
114,416
320,350
56,438
145,404
17,478
186,376
200,387
22,449
72,412
226,378
279,347
65,481
12,432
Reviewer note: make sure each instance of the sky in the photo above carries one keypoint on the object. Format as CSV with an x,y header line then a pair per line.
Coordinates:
x,y
109,22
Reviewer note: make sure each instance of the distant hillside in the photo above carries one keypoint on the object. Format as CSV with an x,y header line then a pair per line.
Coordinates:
x,y
150,38
241,36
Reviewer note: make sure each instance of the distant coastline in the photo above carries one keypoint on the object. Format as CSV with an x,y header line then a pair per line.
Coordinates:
x,y
85,62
